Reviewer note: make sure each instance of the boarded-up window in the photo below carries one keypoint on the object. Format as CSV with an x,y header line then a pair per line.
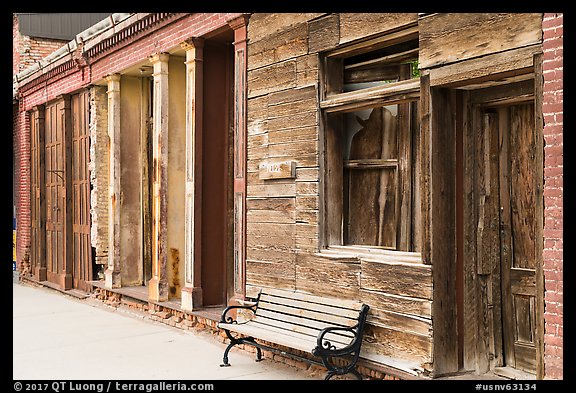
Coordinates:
x,y
371,145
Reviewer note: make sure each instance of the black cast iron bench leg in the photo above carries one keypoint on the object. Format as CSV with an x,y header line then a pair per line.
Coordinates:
x,y
225,358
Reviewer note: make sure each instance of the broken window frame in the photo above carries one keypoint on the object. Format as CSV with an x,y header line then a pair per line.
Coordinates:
x,y
335,102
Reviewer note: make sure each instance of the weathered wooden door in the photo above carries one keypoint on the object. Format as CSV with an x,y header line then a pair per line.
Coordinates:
x,y
518,235
55,185
506,231
82,250
37,194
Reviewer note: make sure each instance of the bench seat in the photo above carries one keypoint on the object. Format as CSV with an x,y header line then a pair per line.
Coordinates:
x,y
323,327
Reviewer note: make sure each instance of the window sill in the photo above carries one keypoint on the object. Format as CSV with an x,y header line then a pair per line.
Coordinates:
x,y
357,253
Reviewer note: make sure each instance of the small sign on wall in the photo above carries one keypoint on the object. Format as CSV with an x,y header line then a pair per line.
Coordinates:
x,y
277,170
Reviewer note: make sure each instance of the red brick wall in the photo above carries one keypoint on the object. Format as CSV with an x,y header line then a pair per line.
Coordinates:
x,y
21,138
193,25
28,50
552,27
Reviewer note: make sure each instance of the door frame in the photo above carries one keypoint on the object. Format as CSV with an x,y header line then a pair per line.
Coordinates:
x,y
474,101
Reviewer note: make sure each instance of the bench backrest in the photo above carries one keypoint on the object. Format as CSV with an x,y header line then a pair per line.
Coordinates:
x,y
307,314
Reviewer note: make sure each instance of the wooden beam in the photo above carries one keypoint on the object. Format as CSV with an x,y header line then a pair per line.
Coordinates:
x,y
495,66
539,212
390,93
451,37
442,206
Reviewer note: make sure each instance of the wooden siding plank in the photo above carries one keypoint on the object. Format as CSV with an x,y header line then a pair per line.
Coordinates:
x,y
312,276
284,44
503,65
324,33
395,303
398,344
262,25
360,25
275,77
413,280
331,300
450,37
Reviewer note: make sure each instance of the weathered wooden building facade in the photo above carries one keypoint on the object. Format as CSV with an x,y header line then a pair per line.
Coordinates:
x,y
408,161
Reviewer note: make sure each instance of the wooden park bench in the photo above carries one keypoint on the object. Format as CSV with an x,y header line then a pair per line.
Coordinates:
x,y
326,328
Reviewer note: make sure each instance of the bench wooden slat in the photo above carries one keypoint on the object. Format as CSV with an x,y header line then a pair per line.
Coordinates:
x,y
312,333
341,303
333,338
315,315
297,303
289,339
261,333
292,322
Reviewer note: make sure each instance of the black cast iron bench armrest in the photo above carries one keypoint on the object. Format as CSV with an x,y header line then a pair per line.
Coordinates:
x,y
325,348
225,319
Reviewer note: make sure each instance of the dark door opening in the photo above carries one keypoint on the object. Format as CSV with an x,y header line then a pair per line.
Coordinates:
x,y
217,82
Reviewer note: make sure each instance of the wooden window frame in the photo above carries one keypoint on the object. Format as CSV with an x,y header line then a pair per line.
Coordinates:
x,y
334,101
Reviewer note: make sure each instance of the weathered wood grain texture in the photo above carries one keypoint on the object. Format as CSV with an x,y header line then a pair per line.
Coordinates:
x,y
417,178
399,321
323,33
308,133
504,93
328,277
308,174
512,63
402,279
371,195
307,73
399,304
539,200
450,37
398,344
270,235
306,237
425,174
358,25
259,280
292,108
469,211
256,115
278,46
270,248
275,77
443,229
391,93
261,25
271,190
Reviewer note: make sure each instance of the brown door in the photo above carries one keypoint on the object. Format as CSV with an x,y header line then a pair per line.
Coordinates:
x,y
82,250
518,235
37,197
55,191
506,237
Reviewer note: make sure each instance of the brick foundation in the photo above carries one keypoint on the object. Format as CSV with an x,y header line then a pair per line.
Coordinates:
x,y
185,321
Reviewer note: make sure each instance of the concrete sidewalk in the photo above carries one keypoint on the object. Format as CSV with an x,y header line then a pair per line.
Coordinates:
x,y
57,336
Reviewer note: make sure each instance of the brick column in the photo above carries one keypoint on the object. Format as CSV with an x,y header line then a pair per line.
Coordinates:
x,y
98,167
192,291
112,278
158,284
552,109
22,186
